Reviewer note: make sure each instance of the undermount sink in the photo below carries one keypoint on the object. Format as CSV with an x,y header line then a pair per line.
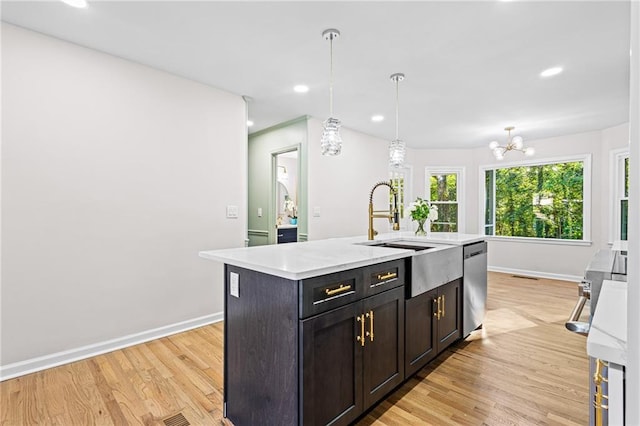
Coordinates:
x,y
400,244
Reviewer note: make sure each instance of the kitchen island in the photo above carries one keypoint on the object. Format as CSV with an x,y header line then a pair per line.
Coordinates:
x,y
315,331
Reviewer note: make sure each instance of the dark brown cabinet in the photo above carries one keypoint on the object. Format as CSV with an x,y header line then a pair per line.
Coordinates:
x,y
351,358
433,321
315,351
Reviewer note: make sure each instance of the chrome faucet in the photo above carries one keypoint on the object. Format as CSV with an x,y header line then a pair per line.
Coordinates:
x,y
392,214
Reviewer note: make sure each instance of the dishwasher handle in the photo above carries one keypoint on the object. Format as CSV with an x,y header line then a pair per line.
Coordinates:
x,y
476,249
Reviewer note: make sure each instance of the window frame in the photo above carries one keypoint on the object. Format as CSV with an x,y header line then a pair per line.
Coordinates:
x,y
616,190
407,171
460,185
586,199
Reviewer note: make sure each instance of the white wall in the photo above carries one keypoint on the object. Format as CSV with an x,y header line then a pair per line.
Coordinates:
x,y
114,176
561,259
339,186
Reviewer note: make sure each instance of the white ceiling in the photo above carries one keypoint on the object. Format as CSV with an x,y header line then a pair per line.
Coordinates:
x,y
471,68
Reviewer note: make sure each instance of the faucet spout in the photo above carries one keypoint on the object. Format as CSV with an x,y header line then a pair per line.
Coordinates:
x,y
392,214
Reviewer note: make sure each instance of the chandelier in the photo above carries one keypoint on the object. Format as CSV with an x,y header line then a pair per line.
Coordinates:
x,y
513,144
331,141
397,147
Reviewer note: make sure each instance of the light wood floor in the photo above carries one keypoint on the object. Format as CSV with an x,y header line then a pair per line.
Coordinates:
x,y
522,368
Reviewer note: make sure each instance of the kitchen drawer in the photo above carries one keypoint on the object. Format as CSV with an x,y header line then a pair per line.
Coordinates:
x,y
287,235
320,294
384,276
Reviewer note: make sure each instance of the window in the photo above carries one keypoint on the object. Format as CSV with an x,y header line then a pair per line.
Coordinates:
x,y
544,200
401,181
444,186
620,194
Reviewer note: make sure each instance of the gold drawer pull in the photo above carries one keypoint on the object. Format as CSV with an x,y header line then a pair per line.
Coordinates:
x,y
342,288
387,276
443,306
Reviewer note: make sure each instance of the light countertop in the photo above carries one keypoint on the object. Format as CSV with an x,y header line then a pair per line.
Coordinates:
x,y
298,261
607,338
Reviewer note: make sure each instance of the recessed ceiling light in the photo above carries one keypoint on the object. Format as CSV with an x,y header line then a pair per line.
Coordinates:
x,y
551,72
76,3
301,88
377,118
249,123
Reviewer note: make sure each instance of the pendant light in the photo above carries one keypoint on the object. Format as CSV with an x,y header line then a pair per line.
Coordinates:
x,y
397,147
331,141
513,144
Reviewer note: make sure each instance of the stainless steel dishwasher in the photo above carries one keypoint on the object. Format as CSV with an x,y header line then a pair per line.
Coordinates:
x,y
474,286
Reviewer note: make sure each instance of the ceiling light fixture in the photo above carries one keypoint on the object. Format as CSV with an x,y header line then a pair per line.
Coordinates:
x,y
331,141
301,88
549,72
397,147
249,123
377,118
513,144
76,3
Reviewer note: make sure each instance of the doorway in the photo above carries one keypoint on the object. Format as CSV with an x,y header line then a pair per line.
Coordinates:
x,y
284,214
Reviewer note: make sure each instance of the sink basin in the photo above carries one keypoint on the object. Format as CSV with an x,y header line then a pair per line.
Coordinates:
x,y
408,245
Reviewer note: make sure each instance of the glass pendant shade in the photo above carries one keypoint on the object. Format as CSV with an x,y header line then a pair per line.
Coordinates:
x,y
331,141
397,149
517,142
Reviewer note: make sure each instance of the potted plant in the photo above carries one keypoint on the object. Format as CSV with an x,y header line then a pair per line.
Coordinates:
x,y
290,207
421,211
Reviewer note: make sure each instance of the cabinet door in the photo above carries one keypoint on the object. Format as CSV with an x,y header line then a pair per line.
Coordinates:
x,y
331,382
420,331
383,365
450,322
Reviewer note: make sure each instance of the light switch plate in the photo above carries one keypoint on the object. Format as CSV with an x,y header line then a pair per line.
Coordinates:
x,y
316,211
234,284
259,211
232,212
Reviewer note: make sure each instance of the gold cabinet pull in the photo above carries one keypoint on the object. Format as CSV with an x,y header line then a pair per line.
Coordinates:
x,y
342,288
387,276
438,315
360,338
443,306
437,312
371,324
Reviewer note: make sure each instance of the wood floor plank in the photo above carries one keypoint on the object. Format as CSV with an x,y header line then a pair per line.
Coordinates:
x,y
521,368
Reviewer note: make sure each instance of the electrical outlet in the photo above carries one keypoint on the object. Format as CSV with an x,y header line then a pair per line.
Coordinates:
x,y
234,284
316,211
232,212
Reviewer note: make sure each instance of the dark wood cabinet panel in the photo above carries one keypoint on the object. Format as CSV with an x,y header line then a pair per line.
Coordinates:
x,y
433,321
420,331
260,349
450,322
331,388
383,366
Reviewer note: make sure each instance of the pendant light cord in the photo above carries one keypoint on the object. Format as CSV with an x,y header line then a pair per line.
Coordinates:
x,y
397,107
331,76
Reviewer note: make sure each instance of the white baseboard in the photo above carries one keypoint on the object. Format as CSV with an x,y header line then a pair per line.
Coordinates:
x,y
536,274
32,365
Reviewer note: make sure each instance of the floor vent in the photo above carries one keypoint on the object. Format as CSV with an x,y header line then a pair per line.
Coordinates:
x,y
177,420
526,278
